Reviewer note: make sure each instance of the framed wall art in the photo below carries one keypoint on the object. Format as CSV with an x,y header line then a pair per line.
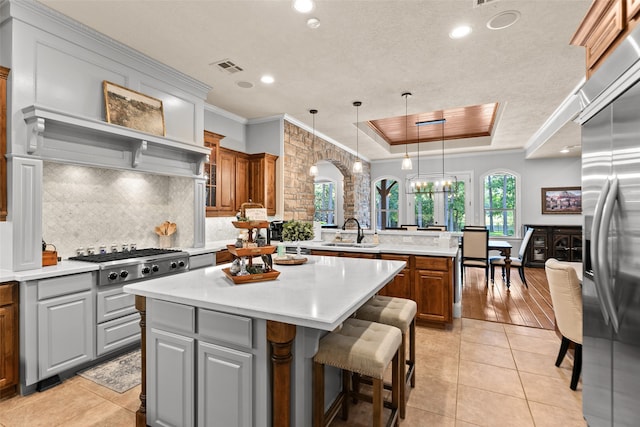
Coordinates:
x,y
562,200
128,108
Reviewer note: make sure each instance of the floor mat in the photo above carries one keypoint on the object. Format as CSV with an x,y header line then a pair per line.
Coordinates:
x,y
119,374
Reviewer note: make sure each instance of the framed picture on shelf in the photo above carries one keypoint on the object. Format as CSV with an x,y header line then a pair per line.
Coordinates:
x,y
128,108
561,200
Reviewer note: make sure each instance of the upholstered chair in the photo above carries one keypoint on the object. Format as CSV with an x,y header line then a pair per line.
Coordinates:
x,y
515,261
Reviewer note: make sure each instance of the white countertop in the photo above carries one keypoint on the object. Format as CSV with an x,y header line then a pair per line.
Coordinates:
x,y
61,269
320,294
66,266
384,248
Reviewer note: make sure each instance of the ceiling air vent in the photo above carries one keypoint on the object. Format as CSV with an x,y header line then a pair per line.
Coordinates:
x,y
228,66
477,3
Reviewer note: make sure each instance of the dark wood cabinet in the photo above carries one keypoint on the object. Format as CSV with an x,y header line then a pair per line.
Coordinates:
x,y
563,242
433,289
427,280
4,74
262,180
401,286
604,27
234,178
9,346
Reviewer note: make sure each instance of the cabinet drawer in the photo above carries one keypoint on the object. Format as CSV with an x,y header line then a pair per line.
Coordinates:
x,y
202,260
432,263
63,285
232,329
114,303
117,333
7,294
171,316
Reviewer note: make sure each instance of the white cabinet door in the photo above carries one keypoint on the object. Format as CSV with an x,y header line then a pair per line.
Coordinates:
x,y
170,379
65,333
224,387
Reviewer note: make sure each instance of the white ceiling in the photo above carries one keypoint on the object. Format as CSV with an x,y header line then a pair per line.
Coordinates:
x,y
367,50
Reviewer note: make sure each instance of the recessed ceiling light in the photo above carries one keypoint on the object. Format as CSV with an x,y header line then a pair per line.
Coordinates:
x,y
303,6
245,85
460,32
267,79
503,20
565,150
313,23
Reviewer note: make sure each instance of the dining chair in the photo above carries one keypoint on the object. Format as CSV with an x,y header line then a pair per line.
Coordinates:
x,y
474,227
475,251
566,298
436,227
515,261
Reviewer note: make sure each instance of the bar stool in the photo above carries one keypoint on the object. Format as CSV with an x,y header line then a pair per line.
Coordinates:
x,y
401,313
364,348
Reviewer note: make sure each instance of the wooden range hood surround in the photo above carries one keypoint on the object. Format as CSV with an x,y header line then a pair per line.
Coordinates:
x,y
66,138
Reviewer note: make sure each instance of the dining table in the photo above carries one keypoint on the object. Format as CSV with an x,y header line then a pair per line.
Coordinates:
x,y
504,248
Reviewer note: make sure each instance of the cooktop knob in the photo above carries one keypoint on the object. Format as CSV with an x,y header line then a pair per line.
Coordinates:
x,y
154,268
146,270
113,275
181,264
173,264
124,274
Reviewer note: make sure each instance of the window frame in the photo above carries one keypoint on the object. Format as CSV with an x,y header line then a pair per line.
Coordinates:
x,y
517,210
323,180
401,200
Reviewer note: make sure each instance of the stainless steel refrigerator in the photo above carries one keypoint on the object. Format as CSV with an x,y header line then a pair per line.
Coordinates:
x,y
611,211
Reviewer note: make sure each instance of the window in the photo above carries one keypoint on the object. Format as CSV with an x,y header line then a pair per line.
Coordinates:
x,y
325,202
433,207
386,203
500,203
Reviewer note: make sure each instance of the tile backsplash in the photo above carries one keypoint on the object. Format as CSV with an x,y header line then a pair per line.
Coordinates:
x,y
86,206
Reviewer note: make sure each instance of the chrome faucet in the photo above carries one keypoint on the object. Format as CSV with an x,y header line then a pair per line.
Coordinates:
x,y
360,232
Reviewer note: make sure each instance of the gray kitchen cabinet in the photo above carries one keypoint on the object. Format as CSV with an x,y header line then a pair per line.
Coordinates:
x,y
65,333
170,387
205,352
224,386
117,321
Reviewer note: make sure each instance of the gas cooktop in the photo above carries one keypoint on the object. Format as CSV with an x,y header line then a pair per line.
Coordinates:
x,y
117,256
138,264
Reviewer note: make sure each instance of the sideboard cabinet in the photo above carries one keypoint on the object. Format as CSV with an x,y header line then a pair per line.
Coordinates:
x,y
563,242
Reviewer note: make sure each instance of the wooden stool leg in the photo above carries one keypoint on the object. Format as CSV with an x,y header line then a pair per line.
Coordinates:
x,y
318,395
398,383
403,386
345,390
412,352
377,401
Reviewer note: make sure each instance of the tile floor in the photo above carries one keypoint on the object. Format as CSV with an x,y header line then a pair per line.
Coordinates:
x,y
474,373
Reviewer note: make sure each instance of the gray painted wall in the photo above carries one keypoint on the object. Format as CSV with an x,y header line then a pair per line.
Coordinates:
x,y
535,174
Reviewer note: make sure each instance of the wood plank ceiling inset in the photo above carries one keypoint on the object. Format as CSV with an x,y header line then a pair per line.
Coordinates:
x,y
463,122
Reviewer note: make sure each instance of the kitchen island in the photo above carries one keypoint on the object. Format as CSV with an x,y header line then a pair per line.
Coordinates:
x,y
217,353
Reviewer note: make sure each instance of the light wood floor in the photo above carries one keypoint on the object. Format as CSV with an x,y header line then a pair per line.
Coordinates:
x,y
517,306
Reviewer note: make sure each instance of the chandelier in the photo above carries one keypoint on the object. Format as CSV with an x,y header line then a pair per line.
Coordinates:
x,y
431,183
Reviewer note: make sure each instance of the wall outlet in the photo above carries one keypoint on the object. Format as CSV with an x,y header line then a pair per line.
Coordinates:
x,y
407,239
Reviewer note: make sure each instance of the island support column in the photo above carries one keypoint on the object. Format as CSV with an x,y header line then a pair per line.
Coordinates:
x,y
280,337
141,414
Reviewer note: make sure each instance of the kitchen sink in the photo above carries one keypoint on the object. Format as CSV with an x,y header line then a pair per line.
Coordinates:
x,y
350,244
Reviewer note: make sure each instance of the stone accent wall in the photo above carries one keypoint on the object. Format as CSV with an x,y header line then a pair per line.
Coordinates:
x,y
300,154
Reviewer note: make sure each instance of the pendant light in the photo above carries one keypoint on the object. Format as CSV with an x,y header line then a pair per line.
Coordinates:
x,y
357,165
406,162
313,170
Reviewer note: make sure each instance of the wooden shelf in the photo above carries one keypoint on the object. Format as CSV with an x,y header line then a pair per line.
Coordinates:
x,y
250,224
251,278
251,252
